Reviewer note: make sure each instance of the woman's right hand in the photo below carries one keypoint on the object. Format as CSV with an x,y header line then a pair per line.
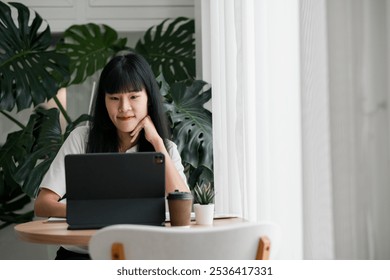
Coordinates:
x,y
47,204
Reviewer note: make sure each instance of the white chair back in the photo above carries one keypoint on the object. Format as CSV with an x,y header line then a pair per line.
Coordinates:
x,y
235,241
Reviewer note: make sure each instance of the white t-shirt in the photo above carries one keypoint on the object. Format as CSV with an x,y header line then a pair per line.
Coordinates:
x,y
76,143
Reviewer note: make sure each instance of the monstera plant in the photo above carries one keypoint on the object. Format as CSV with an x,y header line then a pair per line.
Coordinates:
x,y
32,71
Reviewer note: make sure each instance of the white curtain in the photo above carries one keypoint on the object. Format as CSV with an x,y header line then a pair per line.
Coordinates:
x,y
251,56
345,118
316,145
359,37
301,121
233,107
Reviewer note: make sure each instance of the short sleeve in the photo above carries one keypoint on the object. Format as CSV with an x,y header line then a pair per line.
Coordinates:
x,y
176,159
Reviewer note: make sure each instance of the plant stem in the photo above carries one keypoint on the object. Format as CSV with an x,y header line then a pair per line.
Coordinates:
x,y
63,111
22,126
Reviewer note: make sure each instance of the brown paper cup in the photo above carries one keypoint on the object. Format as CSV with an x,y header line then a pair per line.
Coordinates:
x,y
180,204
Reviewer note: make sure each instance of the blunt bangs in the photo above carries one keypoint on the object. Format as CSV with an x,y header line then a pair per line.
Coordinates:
x,y
122,80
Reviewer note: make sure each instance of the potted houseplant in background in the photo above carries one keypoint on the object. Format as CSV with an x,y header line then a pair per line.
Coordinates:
x,y
32,70
204,203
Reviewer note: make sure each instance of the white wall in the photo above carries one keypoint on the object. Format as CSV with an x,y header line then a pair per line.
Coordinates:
x,y
12,248
122,15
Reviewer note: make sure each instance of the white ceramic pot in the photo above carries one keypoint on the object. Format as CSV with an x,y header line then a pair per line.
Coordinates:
x,y
204,214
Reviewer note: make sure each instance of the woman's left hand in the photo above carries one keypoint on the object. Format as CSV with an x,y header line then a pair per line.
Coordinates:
x,y
151,133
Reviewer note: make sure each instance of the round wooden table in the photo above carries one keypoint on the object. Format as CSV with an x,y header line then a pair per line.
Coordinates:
x,y
56,232
50,232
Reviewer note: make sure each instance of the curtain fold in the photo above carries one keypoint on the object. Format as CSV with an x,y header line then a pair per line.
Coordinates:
x,y
246,107
224,113
255,82
233,84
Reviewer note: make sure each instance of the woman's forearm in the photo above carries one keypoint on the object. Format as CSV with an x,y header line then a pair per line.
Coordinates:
x,y
173,180
47,205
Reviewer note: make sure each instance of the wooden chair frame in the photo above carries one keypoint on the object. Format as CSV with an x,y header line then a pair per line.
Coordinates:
x,y
263,250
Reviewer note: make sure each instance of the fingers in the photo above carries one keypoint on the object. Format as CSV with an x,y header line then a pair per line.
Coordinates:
x,y
147,125
134,137
144,123
136,130
139,127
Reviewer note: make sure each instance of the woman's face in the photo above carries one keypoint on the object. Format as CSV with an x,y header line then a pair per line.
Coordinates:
x,y
126,110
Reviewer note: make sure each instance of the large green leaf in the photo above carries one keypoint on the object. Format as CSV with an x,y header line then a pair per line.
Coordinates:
x,y
191,122
38,142
89,47
170,49
14,150
47,141
10,217
12,198
29,72
25,158
200,175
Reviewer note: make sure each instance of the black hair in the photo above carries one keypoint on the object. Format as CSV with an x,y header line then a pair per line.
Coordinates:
x,y
125,73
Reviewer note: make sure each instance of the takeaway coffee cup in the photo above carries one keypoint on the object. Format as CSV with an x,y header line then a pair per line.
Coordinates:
x,y
180,204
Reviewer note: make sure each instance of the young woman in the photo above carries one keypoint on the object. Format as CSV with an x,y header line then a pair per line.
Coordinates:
x,y
128,117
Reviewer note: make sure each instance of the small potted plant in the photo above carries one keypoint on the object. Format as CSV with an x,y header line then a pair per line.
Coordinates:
x,y
204,203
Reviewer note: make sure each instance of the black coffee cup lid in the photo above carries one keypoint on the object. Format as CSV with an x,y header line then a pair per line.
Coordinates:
x,y
179,195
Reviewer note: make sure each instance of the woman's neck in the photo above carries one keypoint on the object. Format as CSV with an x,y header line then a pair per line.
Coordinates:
x,y
125,142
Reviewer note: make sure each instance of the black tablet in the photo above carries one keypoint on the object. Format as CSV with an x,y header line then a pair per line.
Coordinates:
x,y
112,188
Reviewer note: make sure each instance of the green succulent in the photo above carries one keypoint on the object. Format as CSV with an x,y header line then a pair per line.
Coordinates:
x,y
203,194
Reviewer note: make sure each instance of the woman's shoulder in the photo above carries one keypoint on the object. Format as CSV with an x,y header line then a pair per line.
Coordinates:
x,y
80,132
77,139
